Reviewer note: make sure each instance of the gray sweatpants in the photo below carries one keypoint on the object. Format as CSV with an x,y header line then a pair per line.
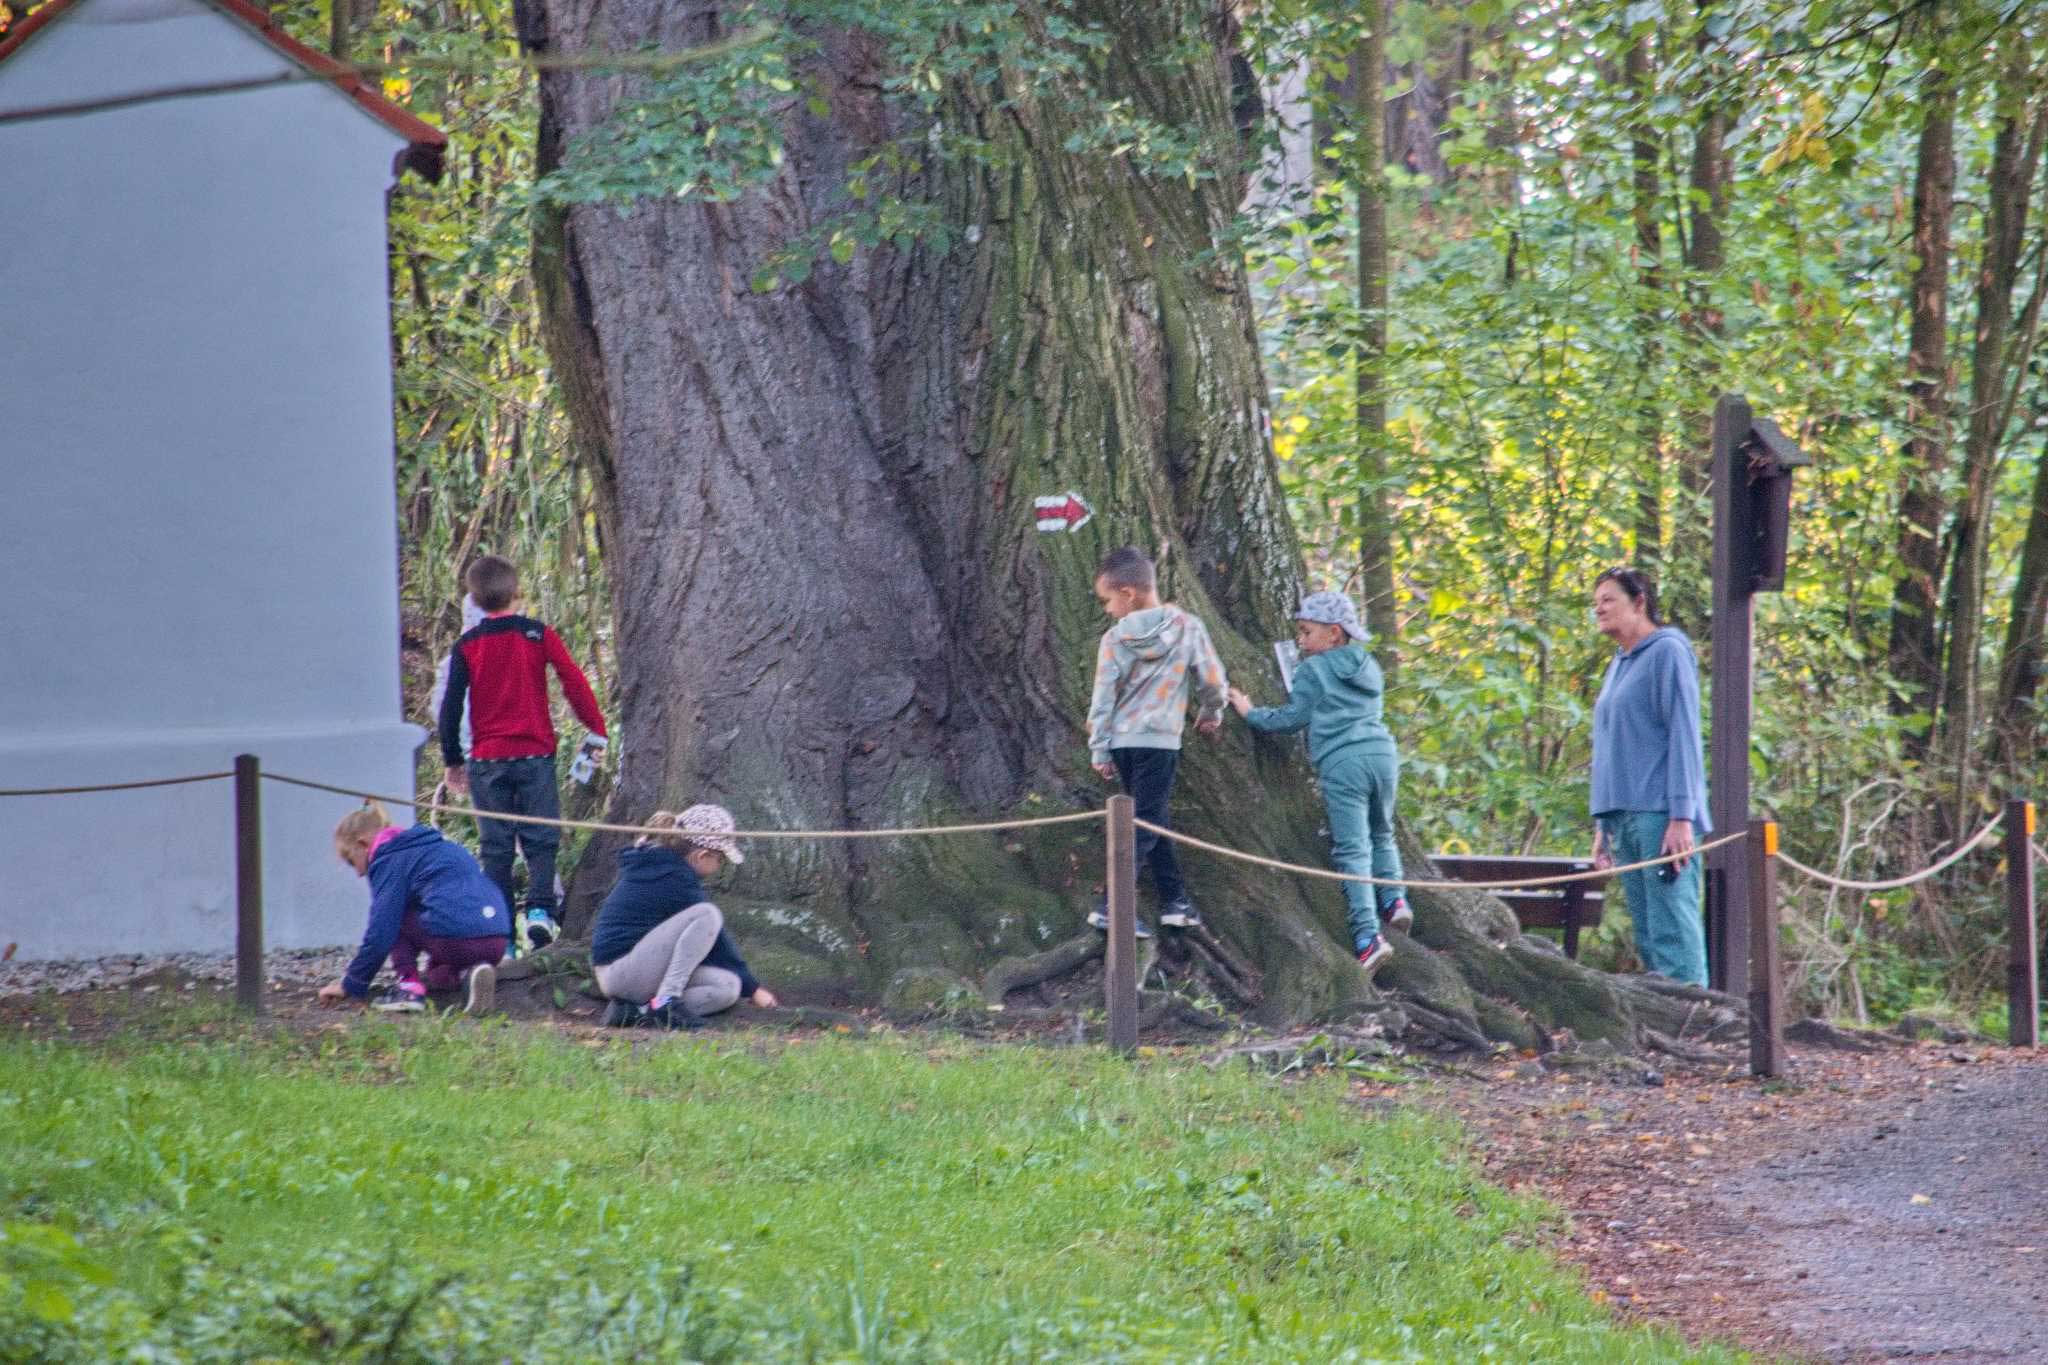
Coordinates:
x,y
669,963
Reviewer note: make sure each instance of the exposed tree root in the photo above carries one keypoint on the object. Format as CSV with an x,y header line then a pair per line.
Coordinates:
x,y
1022,973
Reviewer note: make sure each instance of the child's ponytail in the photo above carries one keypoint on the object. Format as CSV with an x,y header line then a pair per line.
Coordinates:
x,y
362,823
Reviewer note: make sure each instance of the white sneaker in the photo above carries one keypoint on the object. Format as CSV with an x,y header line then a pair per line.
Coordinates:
x,y
1374,955
483,990
1399,916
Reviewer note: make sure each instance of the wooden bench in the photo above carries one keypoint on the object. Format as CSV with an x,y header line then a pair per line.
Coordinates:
x,y
1571,906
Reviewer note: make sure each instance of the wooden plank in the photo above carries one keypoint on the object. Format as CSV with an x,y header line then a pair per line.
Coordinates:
x,y
248,884
1120,962
1767,977
2023,970
1734,635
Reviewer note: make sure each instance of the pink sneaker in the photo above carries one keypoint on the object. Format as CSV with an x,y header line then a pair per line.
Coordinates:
x,y
1374,954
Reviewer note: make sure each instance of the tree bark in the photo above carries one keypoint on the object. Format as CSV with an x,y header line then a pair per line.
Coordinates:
x,y
1688,565
833,608
2009,186
1914,645
1649,252
1369,176
347,22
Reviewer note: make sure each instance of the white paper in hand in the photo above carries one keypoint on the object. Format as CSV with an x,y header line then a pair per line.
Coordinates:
x,y
1289,655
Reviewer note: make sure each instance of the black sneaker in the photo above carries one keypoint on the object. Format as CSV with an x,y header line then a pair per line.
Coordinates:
x,y
1399,916
1180,915
670,1016
481,989
623,1013
399,1000
1099,918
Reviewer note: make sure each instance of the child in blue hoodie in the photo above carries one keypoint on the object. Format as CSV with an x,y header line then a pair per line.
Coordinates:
x,y
1337,696
660,950
428,898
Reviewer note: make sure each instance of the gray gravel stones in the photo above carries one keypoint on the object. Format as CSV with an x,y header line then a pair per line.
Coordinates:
x,y
145,971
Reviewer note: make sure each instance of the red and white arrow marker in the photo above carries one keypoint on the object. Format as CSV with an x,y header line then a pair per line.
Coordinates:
x,y
1062,512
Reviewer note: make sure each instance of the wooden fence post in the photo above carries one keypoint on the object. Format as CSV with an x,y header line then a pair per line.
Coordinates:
x,y
248,884
1766,979
2023,975
1120,962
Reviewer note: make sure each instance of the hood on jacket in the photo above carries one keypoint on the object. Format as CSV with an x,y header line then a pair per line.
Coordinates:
x,y
650,861
407,841
1152,633
1346,661
1660,633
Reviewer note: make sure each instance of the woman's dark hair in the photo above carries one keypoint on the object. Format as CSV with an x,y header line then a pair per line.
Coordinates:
x,y
1637,585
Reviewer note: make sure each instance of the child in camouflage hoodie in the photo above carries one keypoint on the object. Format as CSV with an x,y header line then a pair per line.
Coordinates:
x,y
1147,663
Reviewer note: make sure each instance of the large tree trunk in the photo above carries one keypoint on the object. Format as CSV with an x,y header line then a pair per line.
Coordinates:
x,y
833,608
1914,649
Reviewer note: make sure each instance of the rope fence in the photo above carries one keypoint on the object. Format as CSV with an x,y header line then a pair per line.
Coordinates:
x,y
1525,883
605,827
114,786
1069,818
1121,825
1894,883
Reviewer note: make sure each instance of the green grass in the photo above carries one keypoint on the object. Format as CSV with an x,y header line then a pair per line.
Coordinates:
x,y
428,1189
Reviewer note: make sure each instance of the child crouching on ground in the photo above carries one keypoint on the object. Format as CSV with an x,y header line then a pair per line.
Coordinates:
x,y
659,948
1337,695
428,897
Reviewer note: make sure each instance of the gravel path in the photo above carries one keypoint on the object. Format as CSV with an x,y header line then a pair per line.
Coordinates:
x,y
1921,1233
297,967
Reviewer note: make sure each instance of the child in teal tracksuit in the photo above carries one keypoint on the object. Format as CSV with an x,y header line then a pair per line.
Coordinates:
x,y
1337,696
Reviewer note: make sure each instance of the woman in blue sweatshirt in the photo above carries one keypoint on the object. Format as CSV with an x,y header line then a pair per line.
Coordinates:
x,y
659,948
1649,777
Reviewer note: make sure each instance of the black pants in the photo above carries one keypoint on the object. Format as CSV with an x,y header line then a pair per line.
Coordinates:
x,y
518,786
1147,774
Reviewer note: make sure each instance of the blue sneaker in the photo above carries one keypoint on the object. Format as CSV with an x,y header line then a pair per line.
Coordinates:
x,y
1098,918
407,997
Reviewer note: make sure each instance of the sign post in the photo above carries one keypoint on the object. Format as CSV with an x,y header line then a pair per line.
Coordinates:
x,y
2023,971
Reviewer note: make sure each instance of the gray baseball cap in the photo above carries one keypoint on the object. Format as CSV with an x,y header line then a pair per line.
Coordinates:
x,y
1332,609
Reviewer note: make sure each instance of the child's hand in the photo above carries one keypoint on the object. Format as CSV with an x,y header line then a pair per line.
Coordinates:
x,y
1105,771
1208,725
332,994
765,998
1239,702
457,778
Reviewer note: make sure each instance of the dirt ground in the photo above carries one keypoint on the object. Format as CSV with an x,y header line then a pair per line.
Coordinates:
x,y
1881,1205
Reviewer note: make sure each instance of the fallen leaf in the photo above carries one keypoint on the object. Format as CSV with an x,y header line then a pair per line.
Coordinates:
x,y
1922,1199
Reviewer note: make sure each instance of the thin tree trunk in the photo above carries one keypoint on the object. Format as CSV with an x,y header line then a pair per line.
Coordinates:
x,y
1914,647
1375,516
1649,253
347,22
1688,565
2009,186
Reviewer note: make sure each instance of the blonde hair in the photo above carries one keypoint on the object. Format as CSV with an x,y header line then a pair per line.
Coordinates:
x,y
668,819
362,823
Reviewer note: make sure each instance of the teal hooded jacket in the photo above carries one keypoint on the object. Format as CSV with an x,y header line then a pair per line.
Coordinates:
x,y
1338,697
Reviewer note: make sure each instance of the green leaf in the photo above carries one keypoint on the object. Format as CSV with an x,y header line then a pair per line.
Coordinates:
x,y
842,248
46,1301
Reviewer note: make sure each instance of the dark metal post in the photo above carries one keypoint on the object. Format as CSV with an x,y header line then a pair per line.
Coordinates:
x,y
1766,978
1728,867
248,884
1120,963
2023,979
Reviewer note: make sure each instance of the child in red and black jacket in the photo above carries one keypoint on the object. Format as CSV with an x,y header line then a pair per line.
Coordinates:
x,y
501,669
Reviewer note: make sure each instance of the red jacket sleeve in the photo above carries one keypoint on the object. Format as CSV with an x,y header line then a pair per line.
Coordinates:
x,y
575,687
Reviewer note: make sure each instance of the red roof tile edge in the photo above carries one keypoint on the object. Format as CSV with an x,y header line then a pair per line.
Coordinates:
x,y
426,143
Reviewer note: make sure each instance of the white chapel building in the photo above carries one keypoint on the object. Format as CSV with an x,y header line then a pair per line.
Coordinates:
x,y
198,530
